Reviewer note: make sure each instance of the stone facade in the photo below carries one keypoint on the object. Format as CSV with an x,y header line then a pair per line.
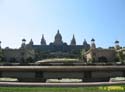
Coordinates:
x,y
56,49
99,54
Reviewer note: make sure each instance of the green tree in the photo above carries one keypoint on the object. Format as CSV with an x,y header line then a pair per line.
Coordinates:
x,y
82,52
121,56
1,55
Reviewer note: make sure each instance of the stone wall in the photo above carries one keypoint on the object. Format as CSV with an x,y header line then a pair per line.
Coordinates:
x,y
98,54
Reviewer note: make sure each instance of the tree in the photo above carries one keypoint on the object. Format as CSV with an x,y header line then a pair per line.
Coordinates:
x,y
102,59
82,55
1,55
29,59
121,56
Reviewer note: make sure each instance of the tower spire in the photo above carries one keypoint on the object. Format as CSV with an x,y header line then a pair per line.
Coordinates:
x,y
86,45
73,41
84,42
93,46
43,41
31,42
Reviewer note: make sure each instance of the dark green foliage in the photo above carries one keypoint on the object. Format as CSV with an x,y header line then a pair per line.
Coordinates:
x,y
1,55
29,60
103,59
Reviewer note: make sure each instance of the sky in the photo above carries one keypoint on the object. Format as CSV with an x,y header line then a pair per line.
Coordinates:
x,y
103,20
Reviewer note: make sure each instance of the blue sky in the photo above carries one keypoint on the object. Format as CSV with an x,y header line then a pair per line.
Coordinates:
x,y
103,20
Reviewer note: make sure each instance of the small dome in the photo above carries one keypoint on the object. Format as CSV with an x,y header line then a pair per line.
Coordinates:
x,y
116,41
23,39
93,39
58,39
23,43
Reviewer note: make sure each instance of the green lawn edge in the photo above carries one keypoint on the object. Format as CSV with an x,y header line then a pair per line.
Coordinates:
x,y
115,88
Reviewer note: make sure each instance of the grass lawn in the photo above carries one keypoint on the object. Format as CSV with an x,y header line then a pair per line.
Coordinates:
x,y
116,88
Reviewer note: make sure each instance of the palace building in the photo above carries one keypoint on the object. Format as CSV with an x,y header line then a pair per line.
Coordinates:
x,y
57,49
29,53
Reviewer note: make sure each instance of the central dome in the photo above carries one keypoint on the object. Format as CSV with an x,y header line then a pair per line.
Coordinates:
x,y
58,39
58,36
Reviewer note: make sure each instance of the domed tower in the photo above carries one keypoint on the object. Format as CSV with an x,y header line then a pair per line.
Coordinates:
x,y
117,45
73,41
23,42
58,39
93,46
31,42
43,41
